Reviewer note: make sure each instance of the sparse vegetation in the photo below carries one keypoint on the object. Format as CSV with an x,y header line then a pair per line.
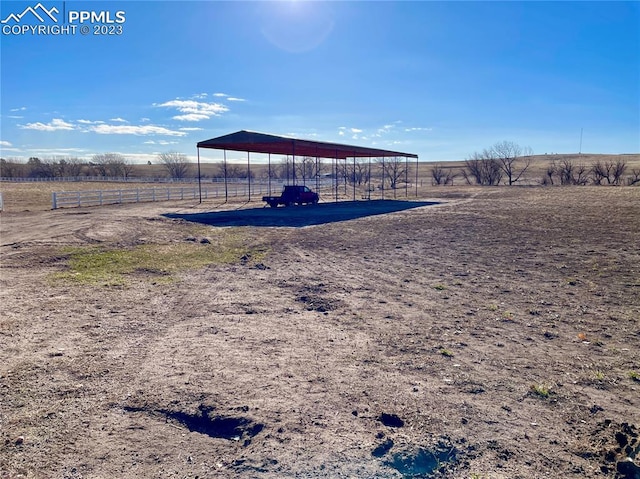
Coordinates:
x,y
507,316
541,389
634,375
114,267
446,352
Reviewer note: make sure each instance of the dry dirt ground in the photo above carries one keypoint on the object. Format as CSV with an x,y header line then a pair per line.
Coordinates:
x,y
478,333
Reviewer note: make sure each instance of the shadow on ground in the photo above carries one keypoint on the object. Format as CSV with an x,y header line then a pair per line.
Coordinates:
x,y
298,216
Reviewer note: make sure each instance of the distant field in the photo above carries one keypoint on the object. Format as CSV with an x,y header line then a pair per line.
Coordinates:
x,y
538,166
37,196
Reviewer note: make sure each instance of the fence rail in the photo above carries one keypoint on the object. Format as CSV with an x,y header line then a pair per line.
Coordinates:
x,y
133,179
74,199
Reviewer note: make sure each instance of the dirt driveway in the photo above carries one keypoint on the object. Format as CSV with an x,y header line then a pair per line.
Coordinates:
x,y
478,333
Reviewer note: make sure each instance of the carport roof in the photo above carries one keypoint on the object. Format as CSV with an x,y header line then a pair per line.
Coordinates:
x,y
254,142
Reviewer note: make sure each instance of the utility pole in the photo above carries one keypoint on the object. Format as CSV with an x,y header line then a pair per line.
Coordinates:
x,y
580,151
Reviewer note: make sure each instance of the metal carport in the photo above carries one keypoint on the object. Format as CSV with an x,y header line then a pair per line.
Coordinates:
x,y
254,142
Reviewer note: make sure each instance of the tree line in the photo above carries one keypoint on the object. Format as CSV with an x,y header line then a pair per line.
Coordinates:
x,y
507,162
113,165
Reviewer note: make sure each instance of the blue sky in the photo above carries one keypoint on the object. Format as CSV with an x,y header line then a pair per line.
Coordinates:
x,y
440,79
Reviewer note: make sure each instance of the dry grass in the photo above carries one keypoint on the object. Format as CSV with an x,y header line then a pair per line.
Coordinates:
x,y
443,316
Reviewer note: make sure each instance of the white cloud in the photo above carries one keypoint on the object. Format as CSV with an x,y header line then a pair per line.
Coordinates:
x,y
220,94
53,125
145,119
341,133
17,117
417,129
140,130
22,108
232,98
160,142
200,96
56,151
194,110
356,130
383,130
190,117
5,143
90,122
120,120
191,128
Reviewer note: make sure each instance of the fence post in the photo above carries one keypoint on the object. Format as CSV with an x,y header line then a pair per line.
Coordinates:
x,y
100,196
54,202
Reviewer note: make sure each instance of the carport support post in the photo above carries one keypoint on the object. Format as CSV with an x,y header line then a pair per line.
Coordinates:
x,y
369,181
353,178
294,162
406,176
249,175
226,188
345,176
416,176
199,182
335,175
383,172
269,179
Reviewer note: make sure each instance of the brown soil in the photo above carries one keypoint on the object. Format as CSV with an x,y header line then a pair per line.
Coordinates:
x,y
482,333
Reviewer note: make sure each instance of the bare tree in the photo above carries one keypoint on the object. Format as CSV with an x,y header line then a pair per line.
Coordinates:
x,y
512,158
441,175
308,168
601,171
284,169
176,164
550,172
357,172
437,175
482,169
38,168
609,171
362,171
394,169
12,169
618,170
71,167
634,179
230,170
565,171
571,174
111,164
